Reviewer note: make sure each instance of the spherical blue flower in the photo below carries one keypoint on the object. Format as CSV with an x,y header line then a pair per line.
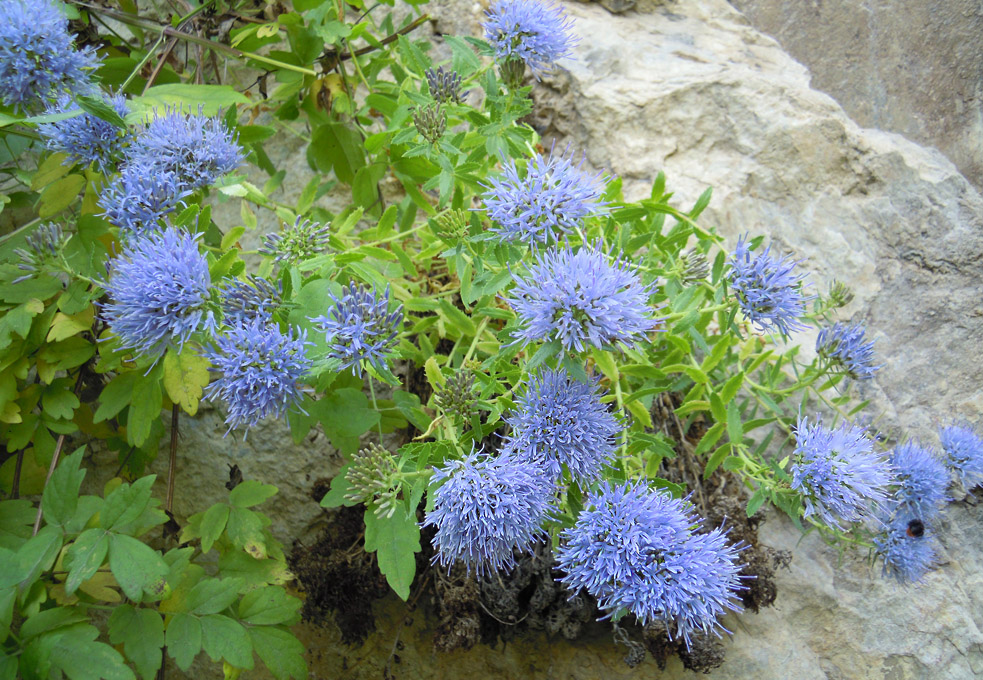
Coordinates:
x,y
159,292
532,31
85,138
963,448
552,199
838,473
562,422
38,59
767,290
582,300
255,299
906,547
636,550
921,480
486,508
360,327
260,367
140,197
196,149
844,346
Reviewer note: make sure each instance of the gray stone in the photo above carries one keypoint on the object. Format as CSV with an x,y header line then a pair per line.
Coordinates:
x,y
907,66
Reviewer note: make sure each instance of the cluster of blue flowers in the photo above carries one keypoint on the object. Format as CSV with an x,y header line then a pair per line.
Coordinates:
x,y
86,138
638,550
159,289
582,300
360,327
38,59
260,367
840,477
963,448
844,346
253,299
485,509
767,289
553,198
561,423
535,33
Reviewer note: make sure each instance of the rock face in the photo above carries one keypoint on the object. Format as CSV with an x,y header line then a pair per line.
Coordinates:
x,y
907,66
692,89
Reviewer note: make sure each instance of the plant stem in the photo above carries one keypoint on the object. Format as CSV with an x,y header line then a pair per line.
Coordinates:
x,y
375,405
15,485
172,462
51,471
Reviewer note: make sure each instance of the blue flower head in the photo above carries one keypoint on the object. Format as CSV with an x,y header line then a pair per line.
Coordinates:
x,y
637,550
906,547
767,290
85,138
260,367
38,59
561,422
197,149
844,346
486,508
302,241
581,299
838,473
255,299
141,197
921,480
552,199
535,32
159,292
963,448
360,327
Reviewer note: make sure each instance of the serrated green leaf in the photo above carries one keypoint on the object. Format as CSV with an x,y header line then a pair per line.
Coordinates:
x,y
141,632
100,109
137,567
116,396
394,540
756,501
8,596
61,494
84,557
282,653
345,414
213,524
78,655
50,619
268,606
245,530
183,639
59,195
185,376
734,428
147,401
16,522
37,555
709,438
213,595
126,503
226,639
185,97
730,388
250,493
716,459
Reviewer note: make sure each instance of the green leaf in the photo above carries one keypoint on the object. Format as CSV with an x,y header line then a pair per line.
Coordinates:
x,y
116,396
16,522
61,494
183,639
213,524
127,503
37,555
59,195
80,657
147,401
734,428
141,632
8,596
464,61
458,319
84,557
268,606
711,437
53,167
137,567
185,376
50,619
546,351
345,414
730,388
716,459
100,109
225,638
245,530
394,540
337,147
186,97
211,595
250,493
282,653
756,501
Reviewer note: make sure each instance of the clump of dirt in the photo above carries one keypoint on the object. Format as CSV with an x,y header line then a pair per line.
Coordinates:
x,y
338,576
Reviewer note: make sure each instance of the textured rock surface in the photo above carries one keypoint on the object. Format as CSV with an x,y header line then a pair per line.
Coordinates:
x,y
907,66
691,88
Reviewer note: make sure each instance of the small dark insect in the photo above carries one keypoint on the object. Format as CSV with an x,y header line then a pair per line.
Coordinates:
x,y
235,477
916,528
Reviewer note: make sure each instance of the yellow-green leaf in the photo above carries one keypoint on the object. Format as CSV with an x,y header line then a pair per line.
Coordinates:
x,y
65,325
53,168
60,194
434,376
185,376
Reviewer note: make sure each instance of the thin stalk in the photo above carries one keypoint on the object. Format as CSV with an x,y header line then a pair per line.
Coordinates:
x,y
172,462
51,471
15,485
143,62
375,405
